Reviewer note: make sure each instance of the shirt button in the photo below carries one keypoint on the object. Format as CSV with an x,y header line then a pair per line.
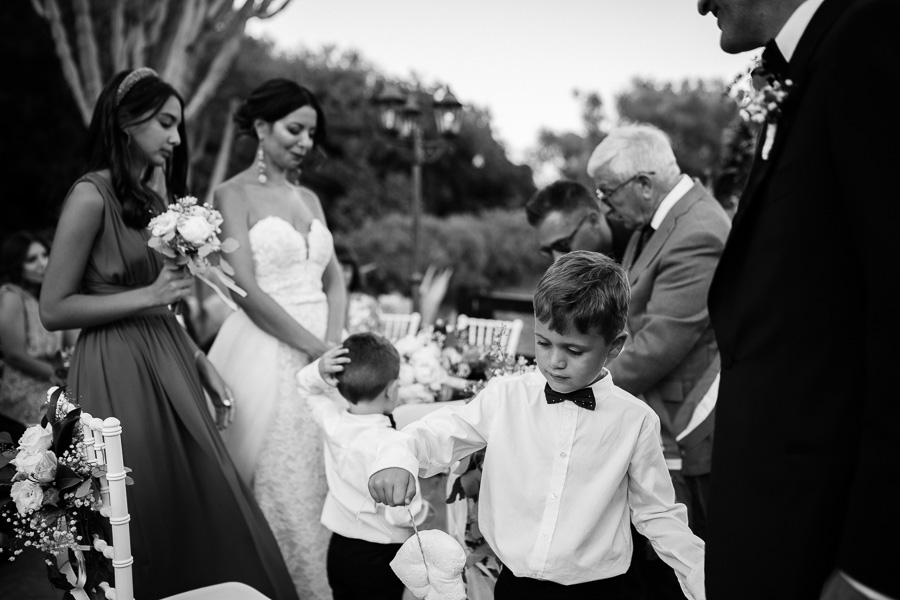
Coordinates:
x,y
552,496
563,454
543,536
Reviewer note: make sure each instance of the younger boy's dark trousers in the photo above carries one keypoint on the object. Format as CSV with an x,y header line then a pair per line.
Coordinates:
x,y
510,587
360,570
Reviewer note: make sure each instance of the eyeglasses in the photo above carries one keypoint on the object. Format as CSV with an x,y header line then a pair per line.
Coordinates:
x,y
564,245
605,197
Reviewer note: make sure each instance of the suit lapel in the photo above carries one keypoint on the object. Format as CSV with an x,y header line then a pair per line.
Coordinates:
x,y
799,68
656,241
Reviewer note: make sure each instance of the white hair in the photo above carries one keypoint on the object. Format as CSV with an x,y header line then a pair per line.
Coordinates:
x,y
633,149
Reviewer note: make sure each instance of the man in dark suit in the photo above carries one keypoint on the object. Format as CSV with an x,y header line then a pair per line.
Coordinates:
x,y
670,358
566,216
807,448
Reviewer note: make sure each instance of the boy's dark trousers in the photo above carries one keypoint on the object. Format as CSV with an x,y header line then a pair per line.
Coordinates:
x,y
361,570
510,587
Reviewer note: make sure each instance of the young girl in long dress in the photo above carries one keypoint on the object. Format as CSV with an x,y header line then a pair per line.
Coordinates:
x,y
293,311
193,523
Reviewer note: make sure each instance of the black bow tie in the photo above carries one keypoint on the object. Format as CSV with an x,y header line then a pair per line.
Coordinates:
x,y
583,397
773,62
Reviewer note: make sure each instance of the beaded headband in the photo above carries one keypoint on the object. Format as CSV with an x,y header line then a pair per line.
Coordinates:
x,y
131,79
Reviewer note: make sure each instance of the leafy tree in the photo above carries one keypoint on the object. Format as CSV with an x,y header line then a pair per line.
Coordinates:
x,y
694,113
191,43
569,152
361,175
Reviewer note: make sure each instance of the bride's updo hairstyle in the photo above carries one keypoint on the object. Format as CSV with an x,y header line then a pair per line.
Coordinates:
x,y
274,100
131,98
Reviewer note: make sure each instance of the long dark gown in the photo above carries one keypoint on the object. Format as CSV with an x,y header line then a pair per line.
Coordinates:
x,y
194,523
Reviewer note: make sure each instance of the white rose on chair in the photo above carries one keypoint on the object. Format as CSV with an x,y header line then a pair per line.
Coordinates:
x,y
39,467
27,495
36,439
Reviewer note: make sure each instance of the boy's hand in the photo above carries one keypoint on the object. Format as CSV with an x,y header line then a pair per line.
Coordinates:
x,y
332,362
393,486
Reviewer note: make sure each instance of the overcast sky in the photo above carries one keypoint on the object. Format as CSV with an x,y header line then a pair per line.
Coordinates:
x,y
521,59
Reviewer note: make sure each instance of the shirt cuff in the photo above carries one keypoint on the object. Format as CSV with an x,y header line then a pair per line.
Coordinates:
x,y
399,457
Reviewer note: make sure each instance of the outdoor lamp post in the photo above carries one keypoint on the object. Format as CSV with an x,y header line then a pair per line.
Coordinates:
x,y
401,117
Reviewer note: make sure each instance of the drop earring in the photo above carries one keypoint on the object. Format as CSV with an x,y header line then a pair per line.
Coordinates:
x,y
261,166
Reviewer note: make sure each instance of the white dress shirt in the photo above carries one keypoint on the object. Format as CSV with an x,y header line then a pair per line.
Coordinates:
x,y
681,188
560,482
351,442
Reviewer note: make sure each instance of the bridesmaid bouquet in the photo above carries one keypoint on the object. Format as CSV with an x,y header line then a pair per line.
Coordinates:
x,y
188,233
55,503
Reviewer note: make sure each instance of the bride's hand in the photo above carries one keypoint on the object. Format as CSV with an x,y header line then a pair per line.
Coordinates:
x,y
172,284
219,392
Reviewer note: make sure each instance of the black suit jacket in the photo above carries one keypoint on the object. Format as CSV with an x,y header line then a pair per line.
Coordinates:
x,y
804,305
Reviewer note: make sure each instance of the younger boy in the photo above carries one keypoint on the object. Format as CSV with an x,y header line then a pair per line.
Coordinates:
x,y
365,536
569,456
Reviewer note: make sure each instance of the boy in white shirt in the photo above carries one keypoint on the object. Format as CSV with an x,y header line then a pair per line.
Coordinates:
x,y
569,456
355,419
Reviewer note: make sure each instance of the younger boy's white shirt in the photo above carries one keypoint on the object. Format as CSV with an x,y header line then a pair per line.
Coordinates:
x,y
560,482
350,443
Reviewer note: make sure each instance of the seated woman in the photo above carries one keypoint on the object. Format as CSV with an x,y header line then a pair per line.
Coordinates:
x,y
363,310
32,355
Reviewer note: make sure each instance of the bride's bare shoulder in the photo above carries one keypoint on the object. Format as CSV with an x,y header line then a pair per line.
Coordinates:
x,y
237,190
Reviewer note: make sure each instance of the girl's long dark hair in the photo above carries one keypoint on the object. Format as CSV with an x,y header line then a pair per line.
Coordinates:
x,y
109,148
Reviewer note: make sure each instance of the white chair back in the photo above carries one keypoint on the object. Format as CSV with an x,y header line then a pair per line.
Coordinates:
x,y
103,445
396,326
481,332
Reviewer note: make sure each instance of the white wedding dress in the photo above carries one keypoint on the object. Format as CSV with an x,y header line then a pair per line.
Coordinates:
x,y
275,445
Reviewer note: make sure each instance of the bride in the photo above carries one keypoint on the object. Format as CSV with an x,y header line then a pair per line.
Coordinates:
x,y
292,313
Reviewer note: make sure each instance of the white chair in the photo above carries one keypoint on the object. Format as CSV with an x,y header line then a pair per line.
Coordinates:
x,y
481,332
103,445
394,326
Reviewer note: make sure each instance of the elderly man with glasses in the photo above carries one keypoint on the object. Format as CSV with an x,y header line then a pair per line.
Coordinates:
x,y
670,359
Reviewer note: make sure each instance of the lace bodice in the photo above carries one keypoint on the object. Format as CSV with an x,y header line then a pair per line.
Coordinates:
x,y
289,266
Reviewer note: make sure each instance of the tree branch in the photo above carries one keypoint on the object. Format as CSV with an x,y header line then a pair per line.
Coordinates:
x,y
218,174
156,26
36,4
117,36
66,60
88,56
217,71
175,64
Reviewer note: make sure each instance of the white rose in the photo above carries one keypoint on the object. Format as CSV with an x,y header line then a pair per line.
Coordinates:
x,y
27,495
429,371
163,225
195,230
40,467
407,345
428,352
407,374
36,439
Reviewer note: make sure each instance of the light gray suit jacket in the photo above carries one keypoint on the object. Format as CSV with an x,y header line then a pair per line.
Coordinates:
x,y
670,342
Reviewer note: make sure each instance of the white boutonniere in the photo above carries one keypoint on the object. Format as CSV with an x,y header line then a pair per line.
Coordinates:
x,y
760,97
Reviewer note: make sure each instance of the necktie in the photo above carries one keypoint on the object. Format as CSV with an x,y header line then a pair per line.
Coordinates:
x,y
583,397
773,62
646,231
391,419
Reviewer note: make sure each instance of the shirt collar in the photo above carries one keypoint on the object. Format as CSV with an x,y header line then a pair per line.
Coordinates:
x,y
681,188
789,36
603,387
